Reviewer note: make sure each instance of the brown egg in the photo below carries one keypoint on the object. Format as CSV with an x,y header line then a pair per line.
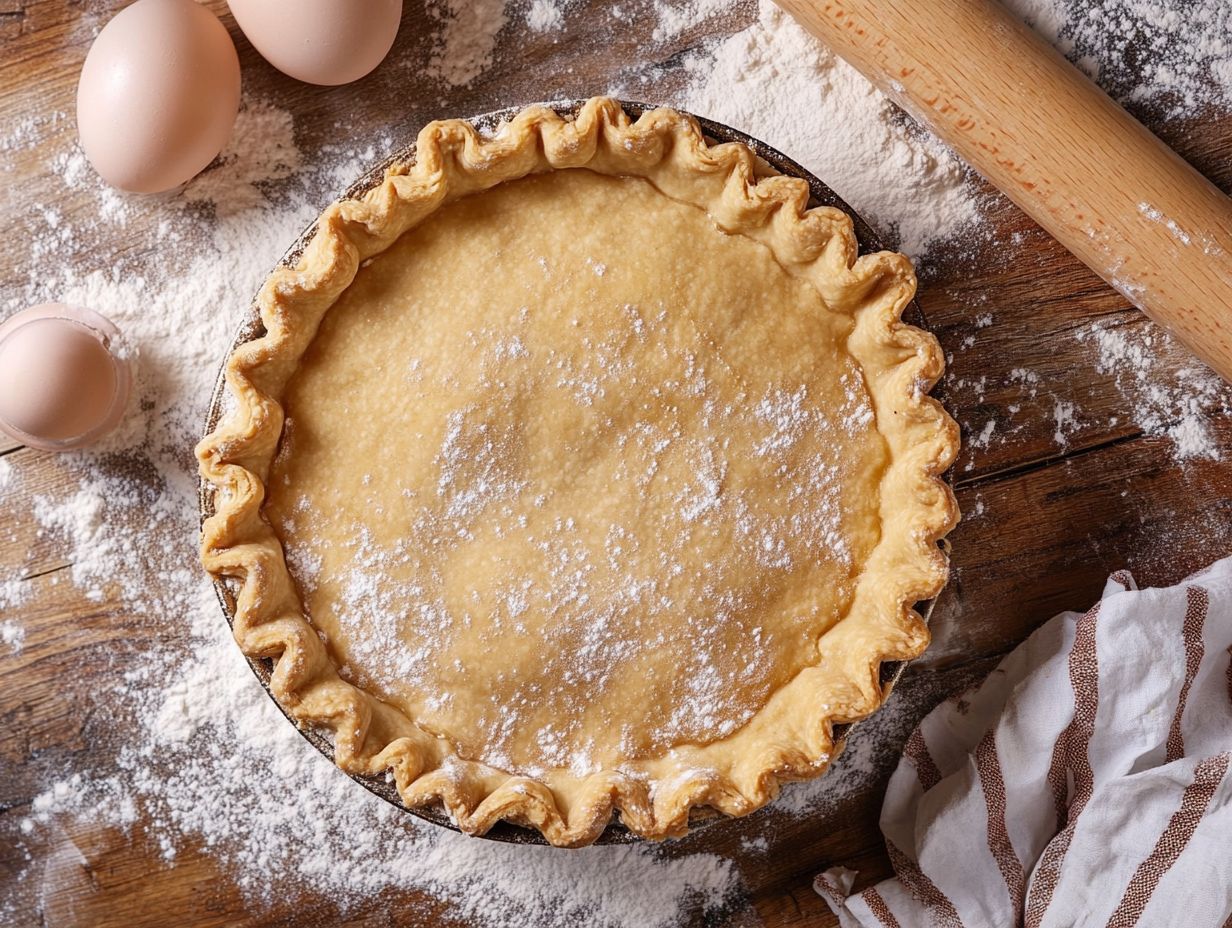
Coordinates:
x,y
320,41
62,383
158,95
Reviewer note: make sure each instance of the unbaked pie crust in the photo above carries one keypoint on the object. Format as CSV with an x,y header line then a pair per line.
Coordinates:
x,y
604,470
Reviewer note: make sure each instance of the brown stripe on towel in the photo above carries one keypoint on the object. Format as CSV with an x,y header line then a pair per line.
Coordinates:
x,y
1197,602
992,782
1184,822
1069,756
916,750
926,892
878,907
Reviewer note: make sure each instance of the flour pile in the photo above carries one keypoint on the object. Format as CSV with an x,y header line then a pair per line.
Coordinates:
x,y
779,84
468,39
775,81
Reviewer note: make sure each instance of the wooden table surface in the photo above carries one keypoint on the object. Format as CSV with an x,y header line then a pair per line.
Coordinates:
x,y
1051,507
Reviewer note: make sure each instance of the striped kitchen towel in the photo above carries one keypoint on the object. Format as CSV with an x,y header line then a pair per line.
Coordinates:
x,y
1084,782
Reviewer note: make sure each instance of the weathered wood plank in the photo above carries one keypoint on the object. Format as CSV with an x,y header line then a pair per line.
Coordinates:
x,y
1044,540
26,547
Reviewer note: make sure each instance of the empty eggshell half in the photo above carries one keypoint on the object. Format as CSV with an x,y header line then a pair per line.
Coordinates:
x,y
158,95
320,41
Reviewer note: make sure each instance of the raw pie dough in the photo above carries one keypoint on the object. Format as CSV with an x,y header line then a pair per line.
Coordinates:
x,y
607,479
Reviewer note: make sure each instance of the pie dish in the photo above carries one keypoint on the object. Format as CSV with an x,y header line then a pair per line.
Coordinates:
x,y
581,469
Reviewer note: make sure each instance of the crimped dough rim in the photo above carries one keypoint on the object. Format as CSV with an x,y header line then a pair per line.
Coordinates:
x,y
789,738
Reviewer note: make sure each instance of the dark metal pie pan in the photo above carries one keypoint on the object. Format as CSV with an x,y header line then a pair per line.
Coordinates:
x,y
251,328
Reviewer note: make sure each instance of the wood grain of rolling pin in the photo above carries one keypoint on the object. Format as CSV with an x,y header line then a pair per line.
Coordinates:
x,y
1055,144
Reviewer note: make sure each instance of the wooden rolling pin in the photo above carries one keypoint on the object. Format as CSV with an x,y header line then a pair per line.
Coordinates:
x,y
1055,144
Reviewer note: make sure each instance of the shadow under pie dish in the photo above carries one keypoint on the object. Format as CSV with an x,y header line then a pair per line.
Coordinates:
x,y
581,468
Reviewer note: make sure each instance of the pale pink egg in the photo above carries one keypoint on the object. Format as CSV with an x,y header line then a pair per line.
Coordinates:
x,y
158,95
320,41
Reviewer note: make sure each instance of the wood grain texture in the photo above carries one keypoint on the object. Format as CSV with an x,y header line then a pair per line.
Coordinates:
x,y
1058,146
1047,517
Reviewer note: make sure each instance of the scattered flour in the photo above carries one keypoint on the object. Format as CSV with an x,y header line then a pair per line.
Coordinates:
x,y
1177,407
468,41
12,636
545,16
983,438
13,589
1177,55
675,17
1065,417
262,151
1029,379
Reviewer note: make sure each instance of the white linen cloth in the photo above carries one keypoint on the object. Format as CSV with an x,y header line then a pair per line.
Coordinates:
x,y
1084,782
